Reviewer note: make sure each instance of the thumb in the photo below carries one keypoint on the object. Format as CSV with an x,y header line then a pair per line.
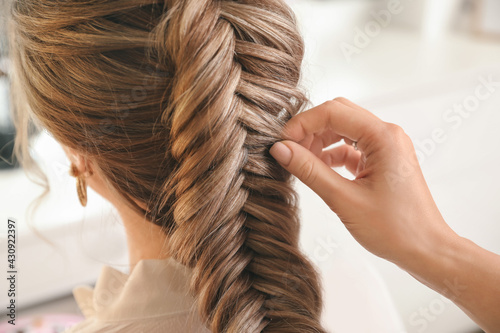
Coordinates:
x,y
313,172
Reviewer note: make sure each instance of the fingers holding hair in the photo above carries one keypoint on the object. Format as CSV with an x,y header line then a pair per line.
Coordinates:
x,y
338,118
313,172
310,132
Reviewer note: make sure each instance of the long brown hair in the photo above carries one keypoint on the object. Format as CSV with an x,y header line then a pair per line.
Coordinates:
x,y
177,103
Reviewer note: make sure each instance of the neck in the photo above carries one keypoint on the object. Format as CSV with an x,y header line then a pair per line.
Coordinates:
x,y
145,240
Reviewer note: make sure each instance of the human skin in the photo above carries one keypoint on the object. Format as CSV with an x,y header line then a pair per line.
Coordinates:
x,y
145,240
388,207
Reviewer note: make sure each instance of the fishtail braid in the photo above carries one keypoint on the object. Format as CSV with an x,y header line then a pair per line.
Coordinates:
x,y
237,66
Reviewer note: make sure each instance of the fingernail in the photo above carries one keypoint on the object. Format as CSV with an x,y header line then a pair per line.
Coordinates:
x,y
281,153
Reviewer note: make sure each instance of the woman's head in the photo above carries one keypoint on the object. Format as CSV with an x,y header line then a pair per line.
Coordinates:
x,y
176,104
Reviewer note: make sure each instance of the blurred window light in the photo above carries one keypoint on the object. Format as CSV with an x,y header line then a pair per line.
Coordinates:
x,y
438,16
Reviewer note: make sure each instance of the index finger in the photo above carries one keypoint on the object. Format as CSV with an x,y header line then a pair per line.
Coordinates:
x,y
342,116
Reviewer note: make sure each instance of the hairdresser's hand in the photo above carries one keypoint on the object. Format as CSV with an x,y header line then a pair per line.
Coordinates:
x,y
388,207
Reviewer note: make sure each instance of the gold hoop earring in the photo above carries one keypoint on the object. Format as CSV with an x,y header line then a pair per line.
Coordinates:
x,y
81,188
81,184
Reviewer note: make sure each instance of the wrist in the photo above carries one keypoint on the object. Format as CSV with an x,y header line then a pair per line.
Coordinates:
x,y
434,256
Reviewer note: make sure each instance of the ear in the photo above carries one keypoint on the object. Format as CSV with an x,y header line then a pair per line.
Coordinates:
x,y
81,162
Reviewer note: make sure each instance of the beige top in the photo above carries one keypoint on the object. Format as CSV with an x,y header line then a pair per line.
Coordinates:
x,y
153,298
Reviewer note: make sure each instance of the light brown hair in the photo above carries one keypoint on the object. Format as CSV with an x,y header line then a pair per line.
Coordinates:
x,y
177,103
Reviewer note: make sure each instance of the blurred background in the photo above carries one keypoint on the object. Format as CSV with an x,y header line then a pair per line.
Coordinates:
x,y
430,66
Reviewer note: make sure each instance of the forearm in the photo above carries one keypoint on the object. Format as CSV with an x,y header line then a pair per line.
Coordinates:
x,y
466,274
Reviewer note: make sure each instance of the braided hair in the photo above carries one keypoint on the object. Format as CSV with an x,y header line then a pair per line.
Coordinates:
x,y
178,103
